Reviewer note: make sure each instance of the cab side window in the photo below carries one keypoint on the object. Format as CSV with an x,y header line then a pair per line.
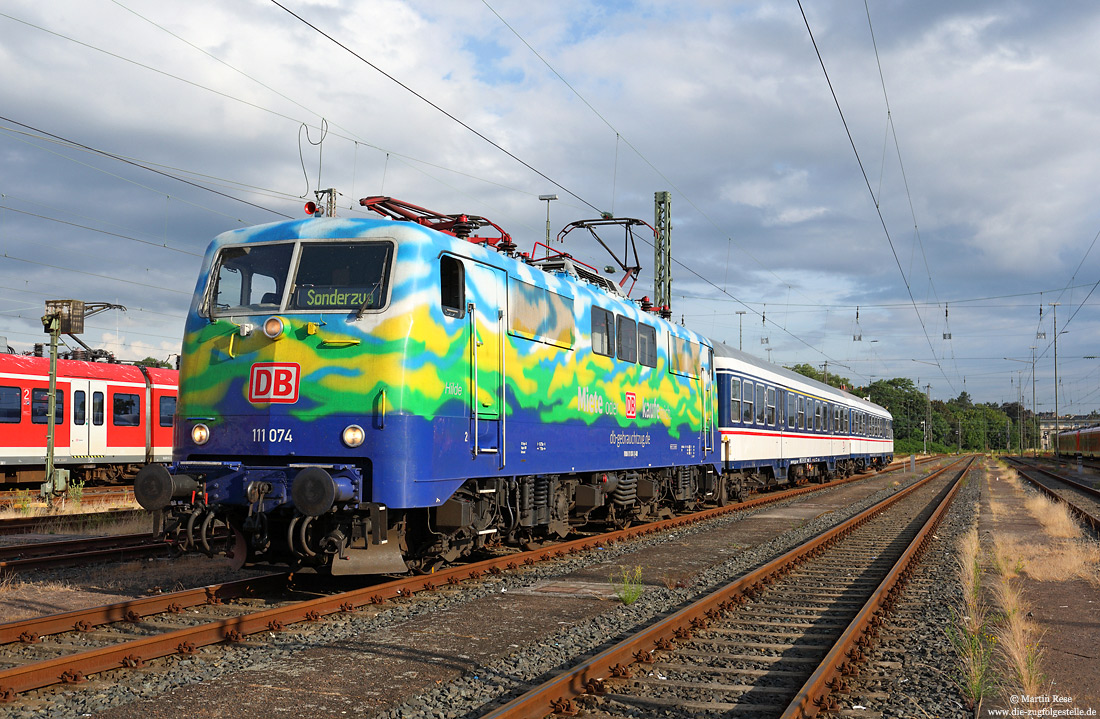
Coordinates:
x,y
452,286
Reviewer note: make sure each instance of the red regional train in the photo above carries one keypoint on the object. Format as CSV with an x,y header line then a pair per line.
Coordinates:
x,y
1079,442
110,418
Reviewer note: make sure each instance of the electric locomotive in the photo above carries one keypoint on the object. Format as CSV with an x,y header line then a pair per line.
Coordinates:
x,y
378,395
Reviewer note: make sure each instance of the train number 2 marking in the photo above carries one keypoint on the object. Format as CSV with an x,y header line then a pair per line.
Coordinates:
x,y
273,435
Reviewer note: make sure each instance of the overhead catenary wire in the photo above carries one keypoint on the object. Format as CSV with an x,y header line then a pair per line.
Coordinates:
x,y
878,209
423,98
505,151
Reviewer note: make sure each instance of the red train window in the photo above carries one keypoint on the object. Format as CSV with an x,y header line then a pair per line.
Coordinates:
x,y
40,402
127,410
9,405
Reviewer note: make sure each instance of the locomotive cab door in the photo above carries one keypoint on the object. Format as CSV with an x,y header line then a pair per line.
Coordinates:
x,y
707,382
486,316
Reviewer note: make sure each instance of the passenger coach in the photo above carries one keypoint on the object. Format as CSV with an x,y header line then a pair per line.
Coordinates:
x,y
779,426
110,418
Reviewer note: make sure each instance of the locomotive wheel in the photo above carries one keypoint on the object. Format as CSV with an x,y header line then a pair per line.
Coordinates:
x,y
238,555
722,498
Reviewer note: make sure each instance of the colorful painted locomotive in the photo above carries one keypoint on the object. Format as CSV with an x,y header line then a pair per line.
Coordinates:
x,y
110,418
371,395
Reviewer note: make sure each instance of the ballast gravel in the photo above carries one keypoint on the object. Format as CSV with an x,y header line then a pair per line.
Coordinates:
x,y
494,683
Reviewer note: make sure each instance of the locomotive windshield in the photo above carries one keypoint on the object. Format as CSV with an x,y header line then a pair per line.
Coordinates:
x,y
345,276
251,278
341,276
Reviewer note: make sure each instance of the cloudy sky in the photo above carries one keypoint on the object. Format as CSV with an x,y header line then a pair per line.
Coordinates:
x,y
954,191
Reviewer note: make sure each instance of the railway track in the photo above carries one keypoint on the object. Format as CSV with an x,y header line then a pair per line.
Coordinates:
x,y
1082,499
75,552
88,495
158,619
79,522
776,642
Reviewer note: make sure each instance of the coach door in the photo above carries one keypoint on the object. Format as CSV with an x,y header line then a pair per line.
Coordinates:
x,y
86,438
78,418
485,287
97,418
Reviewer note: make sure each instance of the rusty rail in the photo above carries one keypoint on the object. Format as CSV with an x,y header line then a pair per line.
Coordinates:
x,y
74,668
848,650
556,695
30,631
1082,514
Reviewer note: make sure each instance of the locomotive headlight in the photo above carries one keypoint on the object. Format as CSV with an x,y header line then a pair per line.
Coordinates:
x,y
200,434
273,327
353,435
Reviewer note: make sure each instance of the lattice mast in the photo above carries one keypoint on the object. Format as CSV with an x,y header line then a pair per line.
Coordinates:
x,y
662,249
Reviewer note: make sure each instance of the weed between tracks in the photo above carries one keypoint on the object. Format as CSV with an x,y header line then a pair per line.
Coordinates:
x,y
628,584
969,632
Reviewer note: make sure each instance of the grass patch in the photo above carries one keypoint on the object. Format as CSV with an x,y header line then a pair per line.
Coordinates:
x,y
628,584
1016,637
968,632
1055,517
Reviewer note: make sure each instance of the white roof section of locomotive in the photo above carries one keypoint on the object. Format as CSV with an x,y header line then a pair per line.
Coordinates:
x,y
726,357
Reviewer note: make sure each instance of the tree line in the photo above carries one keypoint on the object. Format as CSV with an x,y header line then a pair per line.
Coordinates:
x,y
957,425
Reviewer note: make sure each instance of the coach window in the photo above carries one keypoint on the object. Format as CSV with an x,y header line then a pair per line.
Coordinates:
x,y
746,403
452,286
97,408
820,416
647,345
9,405
770,420
40,399
801,412
792,411
628,339
167,411
761,393
735,400
603,325
80,402
127,410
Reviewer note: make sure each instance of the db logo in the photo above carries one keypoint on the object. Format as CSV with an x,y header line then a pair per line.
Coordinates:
x,y
631,405
274,382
